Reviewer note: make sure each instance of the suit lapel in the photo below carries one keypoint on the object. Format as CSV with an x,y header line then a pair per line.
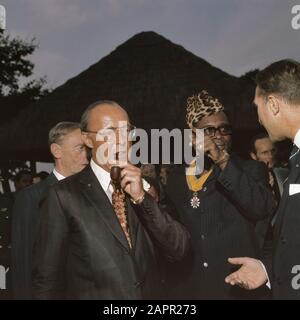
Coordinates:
x,y
96,195
44,187
51,179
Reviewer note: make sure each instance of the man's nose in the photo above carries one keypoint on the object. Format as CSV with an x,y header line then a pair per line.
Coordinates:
x,y
121,138
218,135
270,155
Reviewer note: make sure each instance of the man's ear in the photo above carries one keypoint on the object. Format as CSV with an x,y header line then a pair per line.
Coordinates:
x,y
273,104
253,156
87,140
56,150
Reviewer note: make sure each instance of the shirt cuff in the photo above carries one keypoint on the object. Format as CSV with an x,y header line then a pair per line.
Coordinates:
x,y
146,185
268,284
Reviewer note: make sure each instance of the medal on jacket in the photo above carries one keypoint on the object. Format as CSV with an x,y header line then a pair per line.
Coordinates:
x,y
195,201
196,184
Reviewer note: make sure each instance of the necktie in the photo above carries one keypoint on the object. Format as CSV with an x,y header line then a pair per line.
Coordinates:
x,y
118,202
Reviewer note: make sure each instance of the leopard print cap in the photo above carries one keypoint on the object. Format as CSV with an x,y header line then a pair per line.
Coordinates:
x,y
201,105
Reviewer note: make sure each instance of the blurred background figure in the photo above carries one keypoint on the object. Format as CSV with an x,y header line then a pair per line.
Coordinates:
x,y
23,179
42,175
149,170
264,150
164,173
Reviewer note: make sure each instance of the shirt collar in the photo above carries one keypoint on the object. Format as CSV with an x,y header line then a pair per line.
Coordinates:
x,y
102,175
58,175
297,139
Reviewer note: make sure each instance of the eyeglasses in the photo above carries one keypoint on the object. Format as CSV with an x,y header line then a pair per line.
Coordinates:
x,y
224,130
130,130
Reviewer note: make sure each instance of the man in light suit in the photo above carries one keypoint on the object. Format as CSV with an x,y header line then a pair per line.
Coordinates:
x,y
277,99
69,153
83,250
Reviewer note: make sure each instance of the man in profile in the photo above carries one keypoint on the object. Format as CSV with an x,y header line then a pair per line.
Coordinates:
x,y
277,98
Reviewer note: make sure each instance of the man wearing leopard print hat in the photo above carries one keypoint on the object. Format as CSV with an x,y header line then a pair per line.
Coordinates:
x,y
221,208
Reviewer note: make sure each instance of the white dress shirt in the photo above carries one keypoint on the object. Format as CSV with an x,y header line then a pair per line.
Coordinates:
x,y
58,175
104,179
297,139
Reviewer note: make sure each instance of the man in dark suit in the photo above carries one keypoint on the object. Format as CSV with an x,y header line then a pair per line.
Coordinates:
x,y
220,206
277,99
69,153
87,248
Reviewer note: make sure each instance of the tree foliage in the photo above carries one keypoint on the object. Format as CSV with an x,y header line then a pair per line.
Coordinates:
x,y
17,88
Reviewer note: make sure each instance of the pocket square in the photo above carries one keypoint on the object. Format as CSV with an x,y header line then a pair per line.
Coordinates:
x,y
294,188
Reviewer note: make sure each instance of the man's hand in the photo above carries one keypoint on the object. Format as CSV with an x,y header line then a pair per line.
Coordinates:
x,y
219,156
211,149
131,181
250,276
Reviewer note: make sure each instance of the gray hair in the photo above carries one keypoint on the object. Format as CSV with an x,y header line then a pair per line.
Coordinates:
x,y
85,116
57,133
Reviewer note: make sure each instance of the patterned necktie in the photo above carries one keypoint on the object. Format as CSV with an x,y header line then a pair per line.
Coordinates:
x,y
118,202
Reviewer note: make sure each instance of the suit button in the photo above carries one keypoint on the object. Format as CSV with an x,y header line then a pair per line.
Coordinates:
x,y
283,240
297,165
202,237
205,265
0,247
204,189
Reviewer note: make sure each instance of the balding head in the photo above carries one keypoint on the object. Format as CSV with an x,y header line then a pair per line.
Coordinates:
x,y
99,121
101,108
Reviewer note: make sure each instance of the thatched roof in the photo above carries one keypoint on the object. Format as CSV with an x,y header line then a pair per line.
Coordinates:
x,y
149,76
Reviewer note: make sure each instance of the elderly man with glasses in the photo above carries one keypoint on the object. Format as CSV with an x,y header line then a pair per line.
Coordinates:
x,y
221,207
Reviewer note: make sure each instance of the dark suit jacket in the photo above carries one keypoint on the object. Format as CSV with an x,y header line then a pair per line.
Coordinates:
x,y
82,253
231,203
286,242
24,225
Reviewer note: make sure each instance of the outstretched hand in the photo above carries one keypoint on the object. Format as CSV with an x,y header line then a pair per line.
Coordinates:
x,y
250,276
